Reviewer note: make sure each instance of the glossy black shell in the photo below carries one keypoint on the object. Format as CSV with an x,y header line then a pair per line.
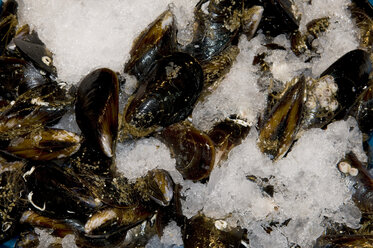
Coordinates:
x,y
168,96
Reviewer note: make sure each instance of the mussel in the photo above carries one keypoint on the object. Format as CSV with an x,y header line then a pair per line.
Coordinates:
x,y
279,128
45,144
57,192
279,16
157,41
157,186
226,135
193,150
96,110
218,23
168,97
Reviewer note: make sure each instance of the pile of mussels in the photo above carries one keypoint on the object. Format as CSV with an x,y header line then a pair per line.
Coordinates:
x,y
67,183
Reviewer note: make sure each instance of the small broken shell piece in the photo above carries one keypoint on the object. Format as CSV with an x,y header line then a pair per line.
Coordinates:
x,y
45,144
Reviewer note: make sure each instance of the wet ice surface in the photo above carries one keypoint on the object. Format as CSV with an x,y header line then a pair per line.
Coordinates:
x,y
84,35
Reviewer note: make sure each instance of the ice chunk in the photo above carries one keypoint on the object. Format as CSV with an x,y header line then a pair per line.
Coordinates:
x,y
135,159
172,235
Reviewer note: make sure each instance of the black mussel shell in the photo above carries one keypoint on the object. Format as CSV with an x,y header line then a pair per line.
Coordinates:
x,y
201,231
96,110
226,135
168,97
216,29
157,41
193,150
350,73
38,107
279,16
34,49
157,186
45,144
58,192
8,23
279,129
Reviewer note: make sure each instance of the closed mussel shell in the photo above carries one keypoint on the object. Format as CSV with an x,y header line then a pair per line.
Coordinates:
x,y
158,40
217,24
193,150
168,97
57,192
279,129
45,144
350,73
157,185
96,109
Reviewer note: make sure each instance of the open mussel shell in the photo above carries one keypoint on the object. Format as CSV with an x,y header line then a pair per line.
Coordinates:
x,y
157,41
278,130
38,107
157,186
45,144
57,192
96,109
169,96
201,231
351,74
8,23
193,150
